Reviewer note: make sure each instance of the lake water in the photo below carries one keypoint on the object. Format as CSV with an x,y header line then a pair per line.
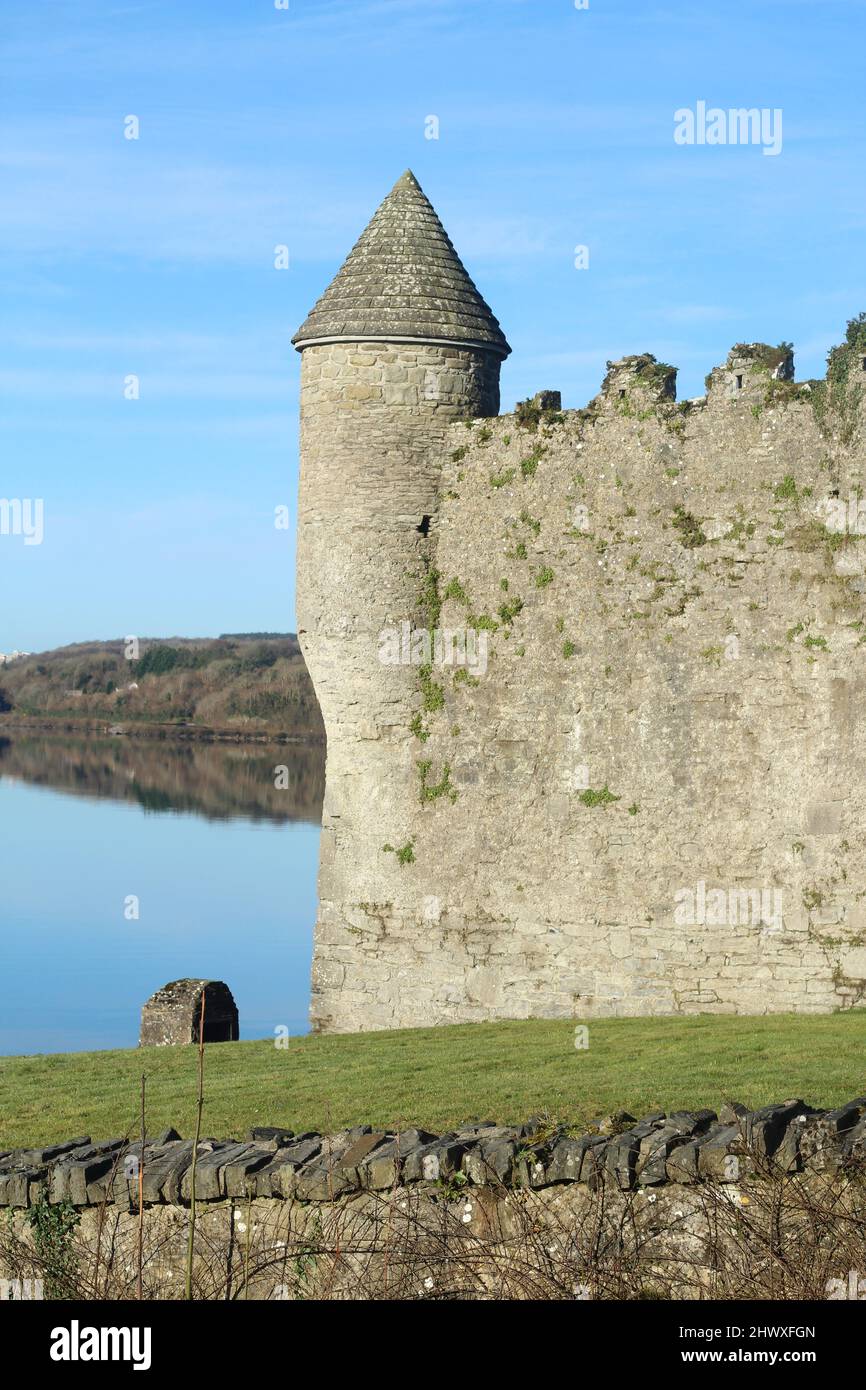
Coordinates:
x,y
222,863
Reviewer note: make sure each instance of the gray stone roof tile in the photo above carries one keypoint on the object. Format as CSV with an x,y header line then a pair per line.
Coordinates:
x,y
403,278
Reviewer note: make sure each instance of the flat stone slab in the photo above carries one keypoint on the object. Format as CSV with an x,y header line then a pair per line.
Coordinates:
x,y
209,1170
78,1167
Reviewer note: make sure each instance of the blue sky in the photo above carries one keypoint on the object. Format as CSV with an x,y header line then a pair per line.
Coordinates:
x,y
261,127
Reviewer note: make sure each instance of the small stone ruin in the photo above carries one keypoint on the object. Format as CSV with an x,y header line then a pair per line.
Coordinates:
x,y
173,1014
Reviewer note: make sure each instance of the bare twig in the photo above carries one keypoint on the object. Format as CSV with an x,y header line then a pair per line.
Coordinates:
x,y
138,1285
191,1244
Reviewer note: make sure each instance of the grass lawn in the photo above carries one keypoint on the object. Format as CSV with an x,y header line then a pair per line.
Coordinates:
x,y
437,1077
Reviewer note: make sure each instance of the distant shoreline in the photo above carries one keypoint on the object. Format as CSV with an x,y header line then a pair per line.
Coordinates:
x,y
146,728
242,688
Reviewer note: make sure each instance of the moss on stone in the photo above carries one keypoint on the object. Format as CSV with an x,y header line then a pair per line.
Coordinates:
x,y
432,693
602,797
529,465
689,528
405,853
433,791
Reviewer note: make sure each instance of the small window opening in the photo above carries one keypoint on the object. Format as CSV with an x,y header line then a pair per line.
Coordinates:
x,y
739,381
622,392
863,363
424,528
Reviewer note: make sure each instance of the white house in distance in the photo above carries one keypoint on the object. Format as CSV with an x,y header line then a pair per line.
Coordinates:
x,y
6,657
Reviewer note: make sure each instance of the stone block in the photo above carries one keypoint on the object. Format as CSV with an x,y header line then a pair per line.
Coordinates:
x,y
270,1134
854,1145
290,1159
238,1176
210,1163
653,1154
386,1165
623,1152
79,1166
763,1130
438,1158
322,1179
362,1147
823,1135
692,1122
575,1160
53,1151
490,1161
164,1172
15,1184
721,1155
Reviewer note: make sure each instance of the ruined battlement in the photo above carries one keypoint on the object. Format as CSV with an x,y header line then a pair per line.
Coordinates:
x,y
631,779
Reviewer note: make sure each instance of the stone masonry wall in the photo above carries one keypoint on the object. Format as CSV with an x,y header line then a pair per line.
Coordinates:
x,y
528,1210
373,422
653,797
374,418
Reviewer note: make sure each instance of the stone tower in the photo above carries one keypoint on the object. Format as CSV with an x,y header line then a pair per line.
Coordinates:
x,y
399,347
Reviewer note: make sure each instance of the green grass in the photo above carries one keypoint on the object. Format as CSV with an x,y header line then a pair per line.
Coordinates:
x,y
437,1077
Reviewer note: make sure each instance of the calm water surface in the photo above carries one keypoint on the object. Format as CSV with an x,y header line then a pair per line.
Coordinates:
x,y
223,864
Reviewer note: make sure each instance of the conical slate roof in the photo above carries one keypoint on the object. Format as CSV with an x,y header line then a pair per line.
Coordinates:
x,y
403,280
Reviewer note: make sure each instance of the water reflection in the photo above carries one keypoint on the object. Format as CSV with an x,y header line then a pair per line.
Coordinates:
x,y
220,781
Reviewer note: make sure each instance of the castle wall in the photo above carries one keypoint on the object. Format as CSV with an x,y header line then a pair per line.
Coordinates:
x,y
652,800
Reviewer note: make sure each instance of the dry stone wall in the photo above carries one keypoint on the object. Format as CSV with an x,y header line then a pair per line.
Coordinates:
x,y
684,1147
683,1205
